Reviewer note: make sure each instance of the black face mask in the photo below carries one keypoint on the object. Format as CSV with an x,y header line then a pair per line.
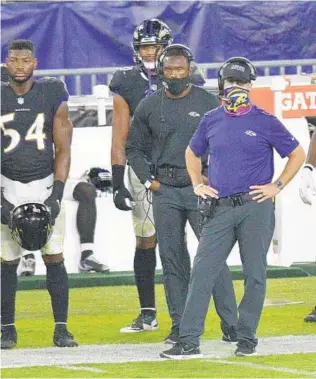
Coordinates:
x,y
176,86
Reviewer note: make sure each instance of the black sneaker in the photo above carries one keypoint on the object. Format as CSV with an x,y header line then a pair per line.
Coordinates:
x,y
92,264
9,337
311,317
173,337
62,338
182,351
245,349
142,323
230,335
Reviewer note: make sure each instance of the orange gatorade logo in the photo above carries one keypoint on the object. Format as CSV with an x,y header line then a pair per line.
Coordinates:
x,y
293,102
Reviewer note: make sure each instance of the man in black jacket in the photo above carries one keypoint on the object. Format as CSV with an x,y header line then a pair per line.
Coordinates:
x,y
130,86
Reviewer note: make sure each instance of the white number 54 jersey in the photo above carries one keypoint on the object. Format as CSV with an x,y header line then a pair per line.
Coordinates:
x,y
27,152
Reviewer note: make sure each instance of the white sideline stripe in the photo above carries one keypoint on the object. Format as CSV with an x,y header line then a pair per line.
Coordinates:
x,y
81,368
262,367
119,353
282,304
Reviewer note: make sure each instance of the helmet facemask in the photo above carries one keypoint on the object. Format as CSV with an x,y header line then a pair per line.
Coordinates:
x,y
150,32
31,226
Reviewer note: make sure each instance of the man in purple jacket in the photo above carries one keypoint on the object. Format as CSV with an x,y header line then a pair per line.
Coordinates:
x,y
238,201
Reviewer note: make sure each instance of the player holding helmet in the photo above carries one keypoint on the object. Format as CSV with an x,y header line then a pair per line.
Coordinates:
x,y
35,160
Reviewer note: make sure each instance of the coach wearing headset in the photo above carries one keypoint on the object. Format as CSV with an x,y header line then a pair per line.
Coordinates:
x,y
167,121
240,138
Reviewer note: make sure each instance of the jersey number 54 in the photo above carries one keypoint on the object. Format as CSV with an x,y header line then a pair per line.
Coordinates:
x,y
34,133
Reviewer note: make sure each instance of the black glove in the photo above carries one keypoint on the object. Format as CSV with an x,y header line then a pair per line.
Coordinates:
x,y
120,192
6,208
53,202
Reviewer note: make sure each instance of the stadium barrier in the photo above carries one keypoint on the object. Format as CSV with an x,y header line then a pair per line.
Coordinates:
x,y
103,75
294,238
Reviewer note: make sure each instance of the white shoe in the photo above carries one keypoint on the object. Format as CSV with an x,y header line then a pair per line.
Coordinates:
x,y
92,264
142,323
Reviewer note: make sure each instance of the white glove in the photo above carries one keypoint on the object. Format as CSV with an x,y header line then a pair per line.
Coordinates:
x,y
307,186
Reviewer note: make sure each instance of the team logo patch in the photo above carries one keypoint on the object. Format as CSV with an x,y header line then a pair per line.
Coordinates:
x,y
20,100
237,67
238,99
194,114
250,133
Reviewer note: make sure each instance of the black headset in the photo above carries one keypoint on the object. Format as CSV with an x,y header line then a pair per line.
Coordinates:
x,y
243,61
184,49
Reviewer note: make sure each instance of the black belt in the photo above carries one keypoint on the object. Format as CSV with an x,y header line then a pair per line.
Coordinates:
x,y
171,172
235,200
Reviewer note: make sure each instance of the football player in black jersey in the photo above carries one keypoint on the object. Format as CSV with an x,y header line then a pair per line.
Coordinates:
x,y
130,86
35,159
84,193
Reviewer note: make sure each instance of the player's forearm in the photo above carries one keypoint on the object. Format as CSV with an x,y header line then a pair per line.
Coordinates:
x,y
120,130
63,129
118,156
62,164
296,160
311,156
194,166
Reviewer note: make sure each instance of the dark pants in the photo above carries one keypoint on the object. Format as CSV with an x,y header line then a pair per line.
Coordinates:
x,y
172,208
252,225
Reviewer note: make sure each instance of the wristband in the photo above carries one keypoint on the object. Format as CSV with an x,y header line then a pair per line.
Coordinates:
x,y
58,189
118,176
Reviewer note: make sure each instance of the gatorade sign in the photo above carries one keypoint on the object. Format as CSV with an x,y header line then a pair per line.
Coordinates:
x,y
293,102
297,101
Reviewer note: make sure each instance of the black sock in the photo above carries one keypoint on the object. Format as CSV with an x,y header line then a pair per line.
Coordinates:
x,y
144,268
57,286
148,312
9,282
85,254
27,256
86,220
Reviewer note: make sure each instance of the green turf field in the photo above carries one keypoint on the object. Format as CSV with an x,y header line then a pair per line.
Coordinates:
x,y
97,313
294,366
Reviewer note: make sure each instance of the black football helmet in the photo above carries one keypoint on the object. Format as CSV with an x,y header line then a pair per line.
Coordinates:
x,y
150,32
101,179
31,225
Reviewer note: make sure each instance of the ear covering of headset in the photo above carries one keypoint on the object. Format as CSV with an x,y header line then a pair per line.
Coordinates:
x,y
184,50
238,68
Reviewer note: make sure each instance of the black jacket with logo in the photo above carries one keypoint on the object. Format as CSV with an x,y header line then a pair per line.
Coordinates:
x,y
168,124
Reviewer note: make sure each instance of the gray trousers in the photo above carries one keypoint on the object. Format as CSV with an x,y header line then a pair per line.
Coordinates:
x,y
172,208
252,225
